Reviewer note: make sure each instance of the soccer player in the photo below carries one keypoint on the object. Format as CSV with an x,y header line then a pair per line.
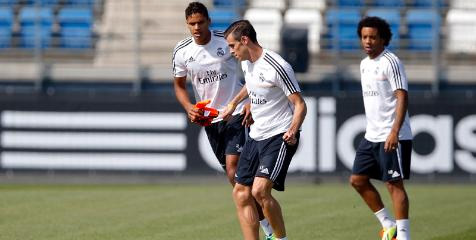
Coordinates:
x,y
385,151
278,111
206,59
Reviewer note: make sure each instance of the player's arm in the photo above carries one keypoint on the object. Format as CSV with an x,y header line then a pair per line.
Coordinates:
x,y
300,111
181,94
400,111
242,95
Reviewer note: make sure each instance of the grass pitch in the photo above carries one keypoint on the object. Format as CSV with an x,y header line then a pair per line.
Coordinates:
x,y
206,211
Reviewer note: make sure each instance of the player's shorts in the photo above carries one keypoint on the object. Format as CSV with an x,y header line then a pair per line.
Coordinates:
x,y
372,160
226,137
269,158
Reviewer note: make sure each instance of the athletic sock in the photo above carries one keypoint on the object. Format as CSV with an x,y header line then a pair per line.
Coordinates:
x,y
385,219
284,238
403,229
266,227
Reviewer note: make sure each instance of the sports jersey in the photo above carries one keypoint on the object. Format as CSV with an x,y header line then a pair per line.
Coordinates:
x,y
269,80
212,70
380,77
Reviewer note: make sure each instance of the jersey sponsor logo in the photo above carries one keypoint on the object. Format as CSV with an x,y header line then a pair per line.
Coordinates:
x,y
220,52
255,99
212,76
368,92
258,101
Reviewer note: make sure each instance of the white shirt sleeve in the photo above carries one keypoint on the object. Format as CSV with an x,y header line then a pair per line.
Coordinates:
x,y
178,64
285,79
396,74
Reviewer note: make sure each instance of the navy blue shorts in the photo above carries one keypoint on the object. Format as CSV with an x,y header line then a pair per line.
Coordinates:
x,y
371,160
226,138
269,158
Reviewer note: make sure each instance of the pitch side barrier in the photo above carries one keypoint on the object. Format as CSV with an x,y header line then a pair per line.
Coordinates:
x,y
153,135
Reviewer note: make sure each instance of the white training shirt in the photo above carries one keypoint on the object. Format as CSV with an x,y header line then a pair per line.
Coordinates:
x,y
269,80
212,70
380,77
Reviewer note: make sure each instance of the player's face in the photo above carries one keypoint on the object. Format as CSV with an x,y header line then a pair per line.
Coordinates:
x,y
198,26
371,41
237,48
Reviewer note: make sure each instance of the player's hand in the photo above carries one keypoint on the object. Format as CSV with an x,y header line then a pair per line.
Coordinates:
x,y
227,113
289,137
247,119
195,115
391,143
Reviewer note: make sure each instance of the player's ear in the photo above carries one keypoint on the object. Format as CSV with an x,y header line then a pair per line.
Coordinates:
x,y
244,40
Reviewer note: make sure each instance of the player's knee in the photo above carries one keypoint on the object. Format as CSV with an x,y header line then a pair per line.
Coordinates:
x,y
397,191
259,193
357,182
241,194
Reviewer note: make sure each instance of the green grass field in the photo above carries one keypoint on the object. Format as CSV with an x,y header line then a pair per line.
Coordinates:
x,y
206,211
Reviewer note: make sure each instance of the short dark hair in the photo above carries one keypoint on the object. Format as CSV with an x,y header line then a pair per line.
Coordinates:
x,y
383,28
196,7
241,28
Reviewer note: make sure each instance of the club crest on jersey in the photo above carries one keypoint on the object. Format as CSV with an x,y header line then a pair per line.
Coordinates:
x,y
261,77
376,70
220,52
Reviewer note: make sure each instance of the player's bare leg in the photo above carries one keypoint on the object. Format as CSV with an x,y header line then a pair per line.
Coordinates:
x,y
247,213
399,199
231,163
401,208
367,191
272,210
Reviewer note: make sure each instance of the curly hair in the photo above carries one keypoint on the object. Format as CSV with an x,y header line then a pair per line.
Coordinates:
x,y
383,28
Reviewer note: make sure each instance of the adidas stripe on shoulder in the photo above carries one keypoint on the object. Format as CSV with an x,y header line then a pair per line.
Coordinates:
x,y
395,69
179,46
282,72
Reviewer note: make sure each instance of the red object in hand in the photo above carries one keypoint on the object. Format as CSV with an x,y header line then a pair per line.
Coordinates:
x,y
208,113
